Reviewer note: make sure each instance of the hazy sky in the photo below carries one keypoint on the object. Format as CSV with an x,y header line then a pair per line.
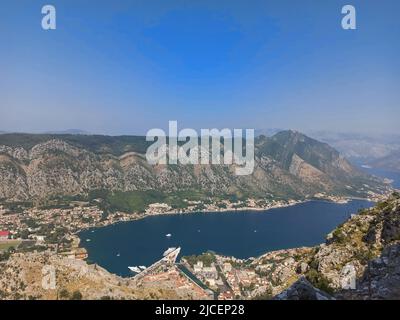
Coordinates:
x,y
124,67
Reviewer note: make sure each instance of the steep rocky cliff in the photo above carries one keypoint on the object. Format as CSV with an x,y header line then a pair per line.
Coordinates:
x,y
360,259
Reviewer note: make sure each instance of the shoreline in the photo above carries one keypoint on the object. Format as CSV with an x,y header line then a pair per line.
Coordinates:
x,y
223,210
232,211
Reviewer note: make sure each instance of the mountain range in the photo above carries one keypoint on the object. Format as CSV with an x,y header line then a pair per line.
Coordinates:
x,y
288,165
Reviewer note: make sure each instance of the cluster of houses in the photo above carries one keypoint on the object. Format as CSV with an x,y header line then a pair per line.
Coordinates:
x,y
158,208
244,280
53,229
208,274
230,277
222,205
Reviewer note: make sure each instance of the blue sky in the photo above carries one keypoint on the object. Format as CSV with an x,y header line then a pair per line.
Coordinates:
x,y
124,67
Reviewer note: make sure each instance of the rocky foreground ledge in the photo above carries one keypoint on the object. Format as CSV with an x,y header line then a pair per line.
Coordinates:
x,y
368,245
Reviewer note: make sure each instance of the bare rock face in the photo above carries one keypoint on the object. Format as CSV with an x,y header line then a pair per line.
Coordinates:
x,y
307,172
288,165
370,244
361,260
391,227
303,290
18,153
381,279
13,179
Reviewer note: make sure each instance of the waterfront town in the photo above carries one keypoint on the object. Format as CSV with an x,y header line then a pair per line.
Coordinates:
x,y
55,227
52,232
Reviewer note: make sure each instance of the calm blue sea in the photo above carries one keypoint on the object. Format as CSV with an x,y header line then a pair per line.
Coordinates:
x,y
240,234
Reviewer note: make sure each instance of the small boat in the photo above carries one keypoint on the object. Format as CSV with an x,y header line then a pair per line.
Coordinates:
x,y
88,240
118,255
168,235
142,267
134,269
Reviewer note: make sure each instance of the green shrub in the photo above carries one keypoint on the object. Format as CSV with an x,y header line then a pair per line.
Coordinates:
x,y
319,281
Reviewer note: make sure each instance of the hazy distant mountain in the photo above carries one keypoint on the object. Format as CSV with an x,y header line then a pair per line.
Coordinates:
x,y
360,147
68,131
391,162
288,165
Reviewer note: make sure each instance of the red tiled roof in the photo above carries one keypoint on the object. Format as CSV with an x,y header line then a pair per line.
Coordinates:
x,y
4,233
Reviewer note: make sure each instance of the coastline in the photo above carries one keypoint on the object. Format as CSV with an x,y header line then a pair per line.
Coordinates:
x,y
290,203
81,218
136,216
87,235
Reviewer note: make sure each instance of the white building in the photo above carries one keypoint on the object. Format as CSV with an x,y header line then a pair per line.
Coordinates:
x,y
198,267
227,267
